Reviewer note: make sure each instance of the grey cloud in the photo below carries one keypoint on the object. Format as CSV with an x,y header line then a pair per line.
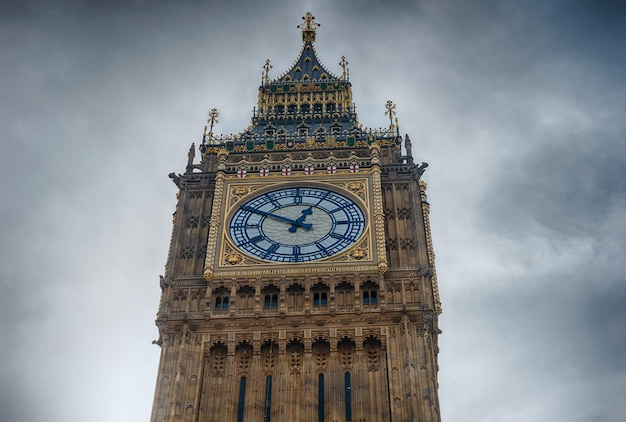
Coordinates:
x,y
518,107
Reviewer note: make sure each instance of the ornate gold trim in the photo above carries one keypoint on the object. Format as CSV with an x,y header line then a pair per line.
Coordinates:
x,y
214,226
229,260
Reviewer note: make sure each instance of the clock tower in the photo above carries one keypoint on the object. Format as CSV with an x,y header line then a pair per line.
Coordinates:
x,y
300,283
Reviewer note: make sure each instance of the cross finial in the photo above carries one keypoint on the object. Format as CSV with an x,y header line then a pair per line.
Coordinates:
x,y
391,112
344,65
308,29
212,121
266,67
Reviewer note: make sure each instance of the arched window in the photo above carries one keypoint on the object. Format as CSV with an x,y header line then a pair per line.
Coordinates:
x,y
242,399
270,298
221,300
369,295
270,301
320,296
348,396
268,399
320,398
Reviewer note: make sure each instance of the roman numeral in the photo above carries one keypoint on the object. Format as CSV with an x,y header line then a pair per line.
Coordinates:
x,y
297,199
272,200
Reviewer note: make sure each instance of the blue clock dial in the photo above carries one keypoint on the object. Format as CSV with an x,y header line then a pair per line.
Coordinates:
x,y
298,224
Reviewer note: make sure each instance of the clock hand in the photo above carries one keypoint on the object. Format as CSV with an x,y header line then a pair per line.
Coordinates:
x,y
267,214
294,223
300,220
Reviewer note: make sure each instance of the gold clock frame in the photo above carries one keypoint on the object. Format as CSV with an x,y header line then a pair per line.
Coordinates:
x,y
224,259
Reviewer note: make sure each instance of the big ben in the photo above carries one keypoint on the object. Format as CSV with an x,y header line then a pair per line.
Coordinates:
x,y
300,283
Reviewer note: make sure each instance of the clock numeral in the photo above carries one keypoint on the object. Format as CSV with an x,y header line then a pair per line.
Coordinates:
x,y
272,200
296,252
323,197
336,236
355,221
322,248
256,239
273,248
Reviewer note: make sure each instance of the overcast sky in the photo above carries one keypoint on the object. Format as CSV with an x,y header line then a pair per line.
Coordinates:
x,y
519,107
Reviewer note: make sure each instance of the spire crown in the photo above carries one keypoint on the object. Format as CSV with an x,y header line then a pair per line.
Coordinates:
x,y
308,28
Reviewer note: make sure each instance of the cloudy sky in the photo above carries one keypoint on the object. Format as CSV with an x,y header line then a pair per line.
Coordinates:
x,y
518,107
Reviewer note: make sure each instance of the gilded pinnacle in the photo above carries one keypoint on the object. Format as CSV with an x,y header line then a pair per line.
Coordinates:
x,y
266,71
212,121
308,29
391,112
344,65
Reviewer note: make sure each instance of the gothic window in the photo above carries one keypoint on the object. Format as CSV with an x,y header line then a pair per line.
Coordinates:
x,y
335,128
320,398
291,108
242,399
317,108
344,296
295,298
270,299
280,109
348,396
305,108
369,295
221,300
268,399
319,293
245,300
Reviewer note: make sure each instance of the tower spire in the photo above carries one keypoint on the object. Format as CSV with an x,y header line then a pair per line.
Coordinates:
x,y
308,28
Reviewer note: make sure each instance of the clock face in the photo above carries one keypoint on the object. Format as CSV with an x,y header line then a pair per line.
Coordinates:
x,y
298,224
